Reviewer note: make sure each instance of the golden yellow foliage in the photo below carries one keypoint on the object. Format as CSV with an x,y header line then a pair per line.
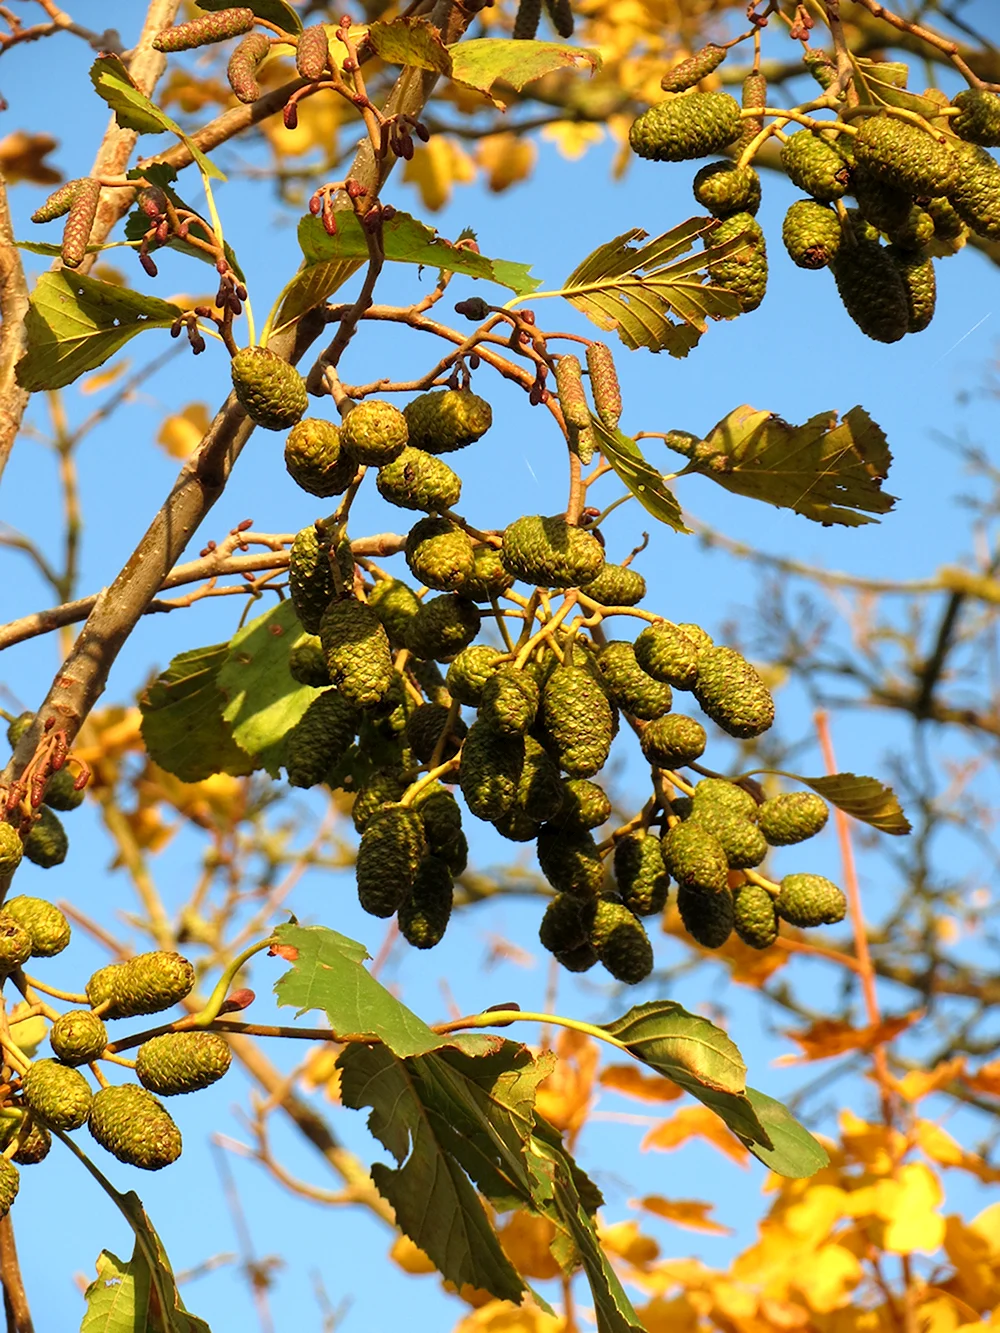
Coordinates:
x,y
690,1213
438,166
22,158
630,1081
695,1122
526,1239
506,159
566,1096
181,433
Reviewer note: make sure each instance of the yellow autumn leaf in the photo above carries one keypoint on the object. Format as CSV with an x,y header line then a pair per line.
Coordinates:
x,y
506,158
876,1147
565,1096
22,158
690,1213
828,1278
977,1273
502,1317
526,1239
28,1033
676,1315
410,1257
436,167
627,1241
630,1081
920,1083
102,378
181,434
320,119
814,1215
572,138
908,1205
940,1147
695,1122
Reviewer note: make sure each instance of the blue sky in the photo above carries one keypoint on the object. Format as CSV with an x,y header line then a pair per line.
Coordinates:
x,y
799,354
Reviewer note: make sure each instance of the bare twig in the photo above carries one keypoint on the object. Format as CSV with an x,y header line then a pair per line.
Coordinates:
x,y
14,1297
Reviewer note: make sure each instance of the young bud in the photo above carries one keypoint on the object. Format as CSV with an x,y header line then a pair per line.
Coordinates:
x,y
202,31
312,52
243,66
76,233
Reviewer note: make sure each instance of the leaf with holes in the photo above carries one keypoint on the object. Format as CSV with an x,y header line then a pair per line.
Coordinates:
x,y
828,471
486,61
863,798
656,295
410,41
642,479
273,11
75,323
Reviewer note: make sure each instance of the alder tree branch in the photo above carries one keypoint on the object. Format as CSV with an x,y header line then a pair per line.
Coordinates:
x,y
15,1299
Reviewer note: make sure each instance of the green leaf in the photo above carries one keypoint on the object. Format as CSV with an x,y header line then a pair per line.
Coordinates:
x,y
182,724
795,1152
263,700
828,472
118,1298
75,323
422,1110
688,1049
406,240
410,41
274,11
863,798
328,973
486,61
883,83
642,479
134,111
653,296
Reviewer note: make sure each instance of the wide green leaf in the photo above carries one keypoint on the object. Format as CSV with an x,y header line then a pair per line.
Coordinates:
x,y
863,798
134,111
182,724
263,699
484,62
795,1152
274,11
75,323
118,1298
642,479
328,973
411,41
688,1049
828,471
654,296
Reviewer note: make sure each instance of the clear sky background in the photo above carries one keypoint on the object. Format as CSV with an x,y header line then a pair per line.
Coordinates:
x,y
797,355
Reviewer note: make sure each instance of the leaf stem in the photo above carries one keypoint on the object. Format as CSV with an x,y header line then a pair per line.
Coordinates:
x,y
216,1000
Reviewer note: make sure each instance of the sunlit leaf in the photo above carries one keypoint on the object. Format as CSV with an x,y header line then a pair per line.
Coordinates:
x,y
690,1213
864,798
411,41
484,62
182,724
687,1048
641,478
274,11
883,83
793,1151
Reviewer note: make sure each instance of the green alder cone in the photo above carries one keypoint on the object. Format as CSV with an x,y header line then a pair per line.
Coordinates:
x,y
673,740
725,188
10,1183
616,585
810,900
59,1096
15,944
580,959
201,31
78,1037
667,653
915,232
979,122
681,806
46,844
509,701
732,693
949,229
439,553
11,849
570,861
584,805
375,432
620,941
426,725
551,552
695,858
792,817
683,128
642,881
563,926
443,627
310,580
490,770
744,272
872,290
270,391
447,419
820,66
44,923
707,917
540,790
320,739
312,52
317,459
395,603
577,721
178,1062
817,167
442,816
61,793
604,384
489,578
307,663
881,204
920,283
34,1142
357,650
976,195
725,797
811,233
392,847
635,691
905,156
418,480
701,638
133,1126
695,68
754,917
742,841
145,984
424,914
17,728
517,826
384,787
469,672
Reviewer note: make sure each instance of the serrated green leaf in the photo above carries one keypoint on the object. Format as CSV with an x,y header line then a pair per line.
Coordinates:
x,y
263,699
274,11
118,1298
863,798
134,111
328,973
642,479
827,471
795,1153
688,1049
883,83
486,61
75,323
182,724
410,41
653,296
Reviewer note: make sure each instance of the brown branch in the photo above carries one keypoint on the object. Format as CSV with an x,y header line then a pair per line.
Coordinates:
x,y
13,343
15,1299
